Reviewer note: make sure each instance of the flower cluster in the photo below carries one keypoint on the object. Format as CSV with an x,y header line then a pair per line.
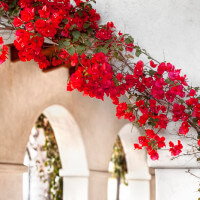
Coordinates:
x,y
54,20
175,149
4,51
105,65
152,142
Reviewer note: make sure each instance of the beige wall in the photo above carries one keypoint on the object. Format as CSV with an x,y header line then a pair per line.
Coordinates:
x,y
25,92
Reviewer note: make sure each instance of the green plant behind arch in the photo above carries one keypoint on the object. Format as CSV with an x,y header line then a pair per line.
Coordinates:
x,y
53,161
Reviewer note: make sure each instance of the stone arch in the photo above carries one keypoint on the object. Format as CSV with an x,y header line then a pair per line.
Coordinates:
x,y
138,171
74,170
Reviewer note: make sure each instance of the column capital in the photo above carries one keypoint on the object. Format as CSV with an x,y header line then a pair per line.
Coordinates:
x,y
13,168
74,173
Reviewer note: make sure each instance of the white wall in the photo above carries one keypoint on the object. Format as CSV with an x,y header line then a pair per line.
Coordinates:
x,y
167,29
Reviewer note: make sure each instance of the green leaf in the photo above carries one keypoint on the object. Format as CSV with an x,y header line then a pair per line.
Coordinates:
x,y
65,21
90,6
102,49
129,40
80,49
89,30
138,52
88,43
181,101
63,44
151,72
71,50
86,25
76,34
72,27
80,13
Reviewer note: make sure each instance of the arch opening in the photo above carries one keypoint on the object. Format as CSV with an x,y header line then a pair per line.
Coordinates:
x,y
71,148
140,178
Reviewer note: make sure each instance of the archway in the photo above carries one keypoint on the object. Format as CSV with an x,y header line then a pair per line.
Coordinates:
x,y
42,158
140,182
74,170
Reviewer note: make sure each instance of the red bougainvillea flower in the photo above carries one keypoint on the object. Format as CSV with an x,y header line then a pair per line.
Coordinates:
x,y
17,22
175,149
1,40
4,53
27,14
137,146
192,92
103,34
152,64
184,129
198,142
154,155
4,5
121,108
138,70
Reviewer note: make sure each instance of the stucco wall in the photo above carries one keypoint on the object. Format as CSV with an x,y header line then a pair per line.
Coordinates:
x,y
168,30
25,92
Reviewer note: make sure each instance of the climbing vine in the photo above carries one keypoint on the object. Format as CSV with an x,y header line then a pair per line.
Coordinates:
x,y
119,169
107,64
52,161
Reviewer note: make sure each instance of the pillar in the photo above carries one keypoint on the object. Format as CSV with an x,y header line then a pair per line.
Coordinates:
x,y
11,181
98,184
75,184
139,187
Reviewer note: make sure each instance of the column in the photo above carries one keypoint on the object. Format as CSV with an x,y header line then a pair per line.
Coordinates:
x,y
98,184
75,184
139,187
11,181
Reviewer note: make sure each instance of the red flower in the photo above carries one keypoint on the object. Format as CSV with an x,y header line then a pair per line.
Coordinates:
x,y
152,64
4,53
1,40
27,14
56,62
178,112
119,76
44,13
184,128
192,92
130,116
17,22
143,141
153,155
175,149
103,34
138,70
121,108
4,5
161,68
137,146
74,60
29,26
